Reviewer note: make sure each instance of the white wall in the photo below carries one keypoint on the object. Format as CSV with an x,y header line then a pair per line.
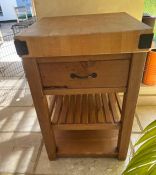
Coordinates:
x,y
8,9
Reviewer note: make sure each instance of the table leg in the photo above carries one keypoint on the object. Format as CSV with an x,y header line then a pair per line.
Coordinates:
x,y
129,103
41,105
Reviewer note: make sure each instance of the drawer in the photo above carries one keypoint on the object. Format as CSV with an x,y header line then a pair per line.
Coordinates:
x,y
85,74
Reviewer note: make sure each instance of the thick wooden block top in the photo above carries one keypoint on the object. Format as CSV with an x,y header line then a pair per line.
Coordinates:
x,y
86,35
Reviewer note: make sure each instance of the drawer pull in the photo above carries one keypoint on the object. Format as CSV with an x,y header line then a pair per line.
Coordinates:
x,y
93,75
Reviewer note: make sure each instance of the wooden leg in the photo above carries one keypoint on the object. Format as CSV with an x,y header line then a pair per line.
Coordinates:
x,y
41,105
129,103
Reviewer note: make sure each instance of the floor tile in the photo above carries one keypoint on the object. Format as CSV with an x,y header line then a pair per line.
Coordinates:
x,y
14,97
6,28
134,139
147,100
10,63
79,166
146,114
18,151
147,90
19,119
135,127
14,83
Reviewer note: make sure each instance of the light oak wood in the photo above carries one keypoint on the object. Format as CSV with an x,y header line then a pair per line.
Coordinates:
x,y
84,35
85,127
109,74
80,113
51,103
41,106
57,108
112,103
78,109
64,110
86,143
102,57
84,117
119,102
108,114
89,115
99,107
92,109
129,103
62,91
70,114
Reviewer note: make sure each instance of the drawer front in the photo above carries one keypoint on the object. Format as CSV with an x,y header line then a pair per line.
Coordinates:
x,y
87,74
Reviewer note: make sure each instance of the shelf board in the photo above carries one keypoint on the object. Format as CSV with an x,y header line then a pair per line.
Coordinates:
x,y
62,91
86,112
86,143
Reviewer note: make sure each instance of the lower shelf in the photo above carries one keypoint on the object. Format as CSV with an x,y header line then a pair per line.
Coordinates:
x,y
86,143
86,112
86,125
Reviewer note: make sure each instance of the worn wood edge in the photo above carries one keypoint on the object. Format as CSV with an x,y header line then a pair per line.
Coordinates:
x,y
50,91
51,103
57,56
100,38
103,143
41,105
87,155
96,126
84,58
112,101
129,103
119,102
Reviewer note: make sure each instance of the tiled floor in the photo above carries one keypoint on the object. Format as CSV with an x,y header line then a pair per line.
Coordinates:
x,y
6,28
22,150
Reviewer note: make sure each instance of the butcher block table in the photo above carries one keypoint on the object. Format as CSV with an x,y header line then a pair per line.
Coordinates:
x,y
76,66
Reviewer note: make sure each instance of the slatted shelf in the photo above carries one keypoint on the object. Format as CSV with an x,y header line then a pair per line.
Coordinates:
x,y
86,112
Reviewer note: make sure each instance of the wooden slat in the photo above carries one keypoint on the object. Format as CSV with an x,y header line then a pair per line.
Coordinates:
x,y
95,126
118,102
78,109
113,107
109,118
80,112
51,101
65,106
118,105
92,112
70,114
57,109
100,117
85,109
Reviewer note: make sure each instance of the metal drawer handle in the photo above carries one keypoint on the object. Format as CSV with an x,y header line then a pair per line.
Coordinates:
x,y
93,75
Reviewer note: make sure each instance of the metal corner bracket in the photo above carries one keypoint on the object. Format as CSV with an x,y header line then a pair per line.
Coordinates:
x,y
21,47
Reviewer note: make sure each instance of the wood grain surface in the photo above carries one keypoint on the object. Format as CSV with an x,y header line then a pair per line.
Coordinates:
x,y
84,35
